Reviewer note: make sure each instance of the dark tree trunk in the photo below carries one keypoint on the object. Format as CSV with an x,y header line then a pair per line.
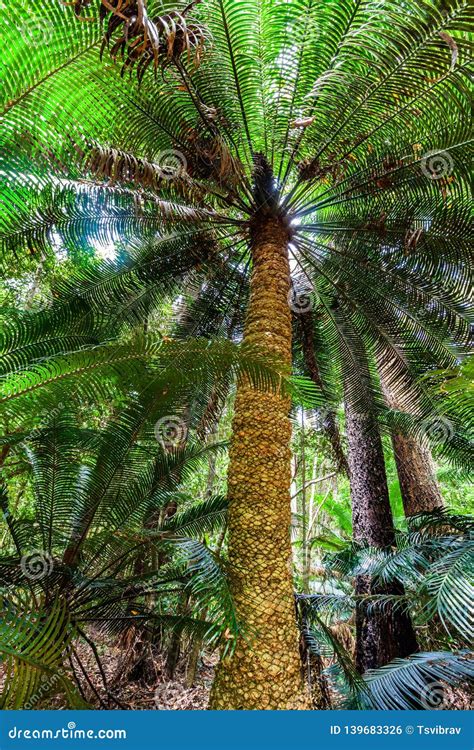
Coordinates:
x,y
381,635
174,649
330,426
418,486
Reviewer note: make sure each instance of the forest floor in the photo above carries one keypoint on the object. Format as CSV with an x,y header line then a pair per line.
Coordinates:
x,y
173,694
161,693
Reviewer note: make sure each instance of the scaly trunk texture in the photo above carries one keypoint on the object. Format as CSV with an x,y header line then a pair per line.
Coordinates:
x,y
381,636
418,486
419,489
264,671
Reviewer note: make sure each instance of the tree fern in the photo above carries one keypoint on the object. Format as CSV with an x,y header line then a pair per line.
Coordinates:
x,y
347,125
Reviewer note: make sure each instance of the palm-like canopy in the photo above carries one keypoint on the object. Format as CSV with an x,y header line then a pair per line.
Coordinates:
x,y
361,113
346,101
346,123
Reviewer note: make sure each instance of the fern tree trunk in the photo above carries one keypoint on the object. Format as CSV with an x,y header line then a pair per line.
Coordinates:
x,y
418,486
264,672
419,489
381,635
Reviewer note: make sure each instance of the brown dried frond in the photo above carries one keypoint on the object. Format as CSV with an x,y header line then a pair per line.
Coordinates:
x,y
121,167
344,634
140,40
311,169
209,158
